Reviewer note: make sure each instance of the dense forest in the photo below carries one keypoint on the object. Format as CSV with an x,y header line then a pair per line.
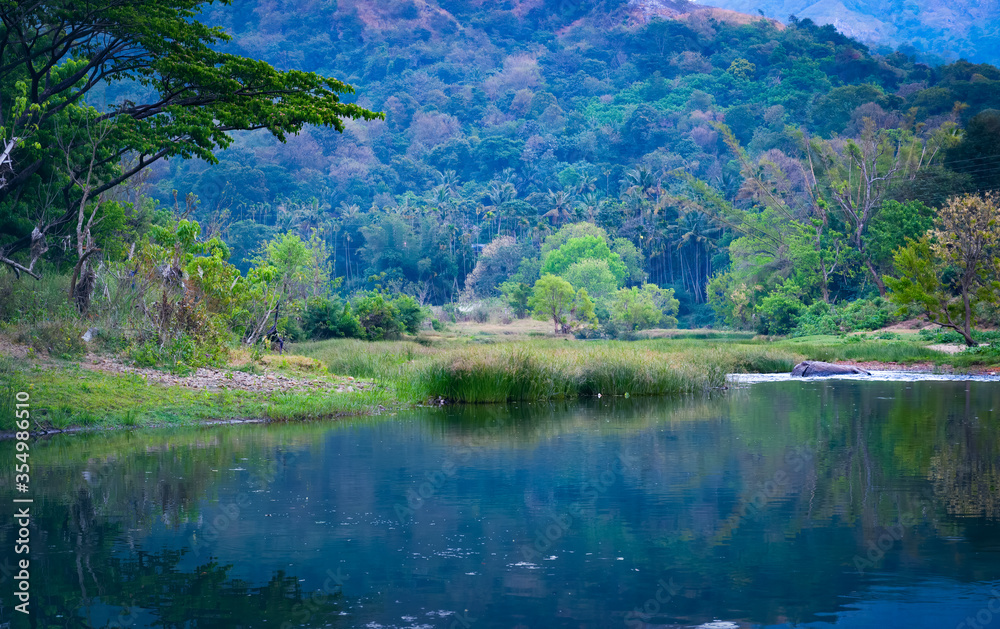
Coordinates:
x,y
716,168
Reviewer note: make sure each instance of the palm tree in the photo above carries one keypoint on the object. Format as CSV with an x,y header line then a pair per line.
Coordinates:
x,y
562,205
591,203
695,235
449,179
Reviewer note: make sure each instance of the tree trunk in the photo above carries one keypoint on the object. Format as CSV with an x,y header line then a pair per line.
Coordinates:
x,y
967,323
878,280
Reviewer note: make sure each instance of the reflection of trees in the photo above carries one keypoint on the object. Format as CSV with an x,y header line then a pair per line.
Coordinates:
x,y
880,450
147,589
98,496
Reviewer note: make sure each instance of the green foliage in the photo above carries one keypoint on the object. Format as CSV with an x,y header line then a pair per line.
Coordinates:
x,y
518,296
593,275
778,313
61,339
944,273
384,317
180,354
643,308
410,314
556,262
552,300
378,318
195,95
328,318
862,314
895,224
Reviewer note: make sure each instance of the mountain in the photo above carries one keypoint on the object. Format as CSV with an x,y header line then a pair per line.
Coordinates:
x,y
968,29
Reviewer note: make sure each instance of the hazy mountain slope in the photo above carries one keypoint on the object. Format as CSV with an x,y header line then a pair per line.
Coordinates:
x,y
958,28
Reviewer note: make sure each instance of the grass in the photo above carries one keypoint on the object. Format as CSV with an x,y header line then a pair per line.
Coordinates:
x,y
66,395
546,369
832,348
468,369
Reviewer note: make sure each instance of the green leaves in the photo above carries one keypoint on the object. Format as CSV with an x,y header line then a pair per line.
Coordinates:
x,y
54,53
577,249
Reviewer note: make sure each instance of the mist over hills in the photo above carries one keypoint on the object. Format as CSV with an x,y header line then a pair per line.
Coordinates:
x,y
968,29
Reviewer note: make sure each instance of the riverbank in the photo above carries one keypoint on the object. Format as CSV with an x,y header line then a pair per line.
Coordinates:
x,y
338,378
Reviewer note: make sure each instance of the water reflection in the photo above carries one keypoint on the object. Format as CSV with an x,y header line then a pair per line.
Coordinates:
x,y
825,503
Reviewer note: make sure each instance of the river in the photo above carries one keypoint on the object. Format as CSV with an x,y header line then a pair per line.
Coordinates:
x,y
824,503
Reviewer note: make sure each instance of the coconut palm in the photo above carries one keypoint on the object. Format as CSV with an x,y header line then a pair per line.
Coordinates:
x,y
562,206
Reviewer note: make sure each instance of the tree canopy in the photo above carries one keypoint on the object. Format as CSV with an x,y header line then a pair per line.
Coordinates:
x,y
177,96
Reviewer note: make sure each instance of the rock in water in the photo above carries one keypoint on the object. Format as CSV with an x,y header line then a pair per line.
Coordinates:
x,y
812,368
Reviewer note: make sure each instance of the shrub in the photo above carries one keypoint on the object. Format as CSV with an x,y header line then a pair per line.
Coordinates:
x,y
409,313
180,354
779,313
378,317
327,319
518,296
62,339
863,314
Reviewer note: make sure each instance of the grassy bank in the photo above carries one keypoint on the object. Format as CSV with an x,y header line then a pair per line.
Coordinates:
x,y
547,369
458,369
65,395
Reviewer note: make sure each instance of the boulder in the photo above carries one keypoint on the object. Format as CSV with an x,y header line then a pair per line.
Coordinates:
x,y
813,368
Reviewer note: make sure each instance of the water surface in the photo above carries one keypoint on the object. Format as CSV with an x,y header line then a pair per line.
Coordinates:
x,y
832,503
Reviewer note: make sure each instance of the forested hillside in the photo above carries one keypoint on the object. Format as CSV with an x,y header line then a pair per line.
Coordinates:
x,y
607,166
516,118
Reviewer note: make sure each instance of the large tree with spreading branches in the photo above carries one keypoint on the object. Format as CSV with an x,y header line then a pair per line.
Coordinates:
x,y
65,145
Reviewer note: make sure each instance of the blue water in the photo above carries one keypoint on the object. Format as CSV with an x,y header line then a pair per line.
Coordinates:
x,y
830,503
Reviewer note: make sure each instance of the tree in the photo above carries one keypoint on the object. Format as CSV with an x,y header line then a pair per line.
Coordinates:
x,y
576,249
554,299
978,149
642,308
860,180
54,53
592,275
518,296
945,272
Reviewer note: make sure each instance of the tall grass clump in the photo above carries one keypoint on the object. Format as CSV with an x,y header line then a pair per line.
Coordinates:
x,y
387,360
485,374
506,373
754,359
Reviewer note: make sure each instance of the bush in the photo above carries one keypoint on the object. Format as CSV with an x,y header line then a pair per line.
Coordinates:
x,y
383,318
778,313
481,315
181,354
327,319
378,317
61,339
863,314
409,313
